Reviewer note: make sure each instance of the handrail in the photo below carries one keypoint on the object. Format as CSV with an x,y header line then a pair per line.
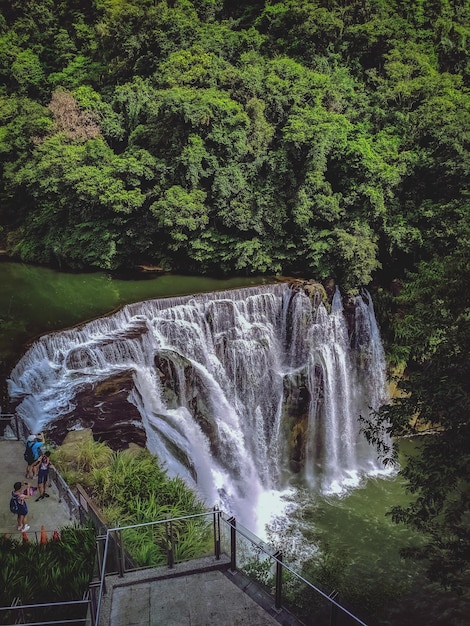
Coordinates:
x,y
217,516
289,569
18,608
165,521
65,493
102,577
34,606
234,529
15,423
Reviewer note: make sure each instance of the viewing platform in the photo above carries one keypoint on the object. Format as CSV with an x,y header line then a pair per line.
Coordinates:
x,y
212,587
195,593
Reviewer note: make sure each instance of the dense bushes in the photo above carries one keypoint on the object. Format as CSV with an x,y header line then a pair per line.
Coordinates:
x,y
131,487
57,571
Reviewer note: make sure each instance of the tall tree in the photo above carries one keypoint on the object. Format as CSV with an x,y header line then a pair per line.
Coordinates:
x,y
433,326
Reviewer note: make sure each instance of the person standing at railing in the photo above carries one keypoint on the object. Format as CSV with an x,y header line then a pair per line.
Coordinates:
x,y
44,464
32,453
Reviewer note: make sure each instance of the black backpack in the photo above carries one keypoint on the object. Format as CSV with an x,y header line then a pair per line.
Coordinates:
x,y
28,453
14,505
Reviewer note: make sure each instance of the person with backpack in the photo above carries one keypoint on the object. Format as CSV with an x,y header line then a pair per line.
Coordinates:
x,y
32,453
19,507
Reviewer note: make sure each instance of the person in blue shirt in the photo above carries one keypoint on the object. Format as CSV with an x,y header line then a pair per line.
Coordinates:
x,y
33,452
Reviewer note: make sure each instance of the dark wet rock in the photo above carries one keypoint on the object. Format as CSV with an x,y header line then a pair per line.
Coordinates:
x,y
104,408
190,391
295,419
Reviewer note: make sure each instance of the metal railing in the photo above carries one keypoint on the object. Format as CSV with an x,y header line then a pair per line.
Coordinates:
x,y
46,614
66,494
11,423
12,427
266,567
248,555
165,544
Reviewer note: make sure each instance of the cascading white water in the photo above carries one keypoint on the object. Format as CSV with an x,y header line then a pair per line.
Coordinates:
x,y
236,356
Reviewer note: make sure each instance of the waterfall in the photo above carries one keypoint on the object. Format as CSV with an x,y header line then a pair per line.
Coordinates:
x,y
240,392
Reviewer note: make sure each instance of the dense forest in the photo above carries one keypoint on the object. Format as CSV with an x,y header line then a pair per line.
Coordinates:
x,y
328,138
323,137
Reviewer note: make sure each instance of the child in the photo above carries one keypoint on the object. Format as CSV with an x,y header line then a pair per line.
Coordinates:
x,y
20,496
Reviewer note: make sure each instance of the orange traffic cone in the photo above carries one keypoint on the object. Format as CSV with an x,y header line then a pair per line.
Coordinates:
x,y
43,538
25,537
55,535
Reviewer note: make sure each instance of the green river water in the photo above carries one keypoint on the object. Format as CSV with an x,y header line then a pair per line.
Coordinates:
x,y
359,539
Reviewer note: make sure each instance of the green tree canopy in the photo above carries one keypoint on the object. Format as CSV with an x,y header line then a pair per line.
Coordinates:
x,y
434,396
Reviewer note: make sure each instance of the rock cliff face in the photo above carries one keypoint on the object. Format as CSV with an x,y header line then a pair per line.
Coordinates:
x,y
295,419
104,408
317,292
189,390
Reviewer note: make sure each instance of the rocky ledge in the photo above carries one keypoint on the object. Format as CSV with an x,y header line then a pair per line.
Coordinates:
x,y
105,409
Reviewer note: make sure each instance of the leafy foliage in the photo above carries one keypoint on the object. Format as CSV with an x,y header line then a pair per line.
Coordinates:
x,y
317,137
433,326
65,567
132,488
272,137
